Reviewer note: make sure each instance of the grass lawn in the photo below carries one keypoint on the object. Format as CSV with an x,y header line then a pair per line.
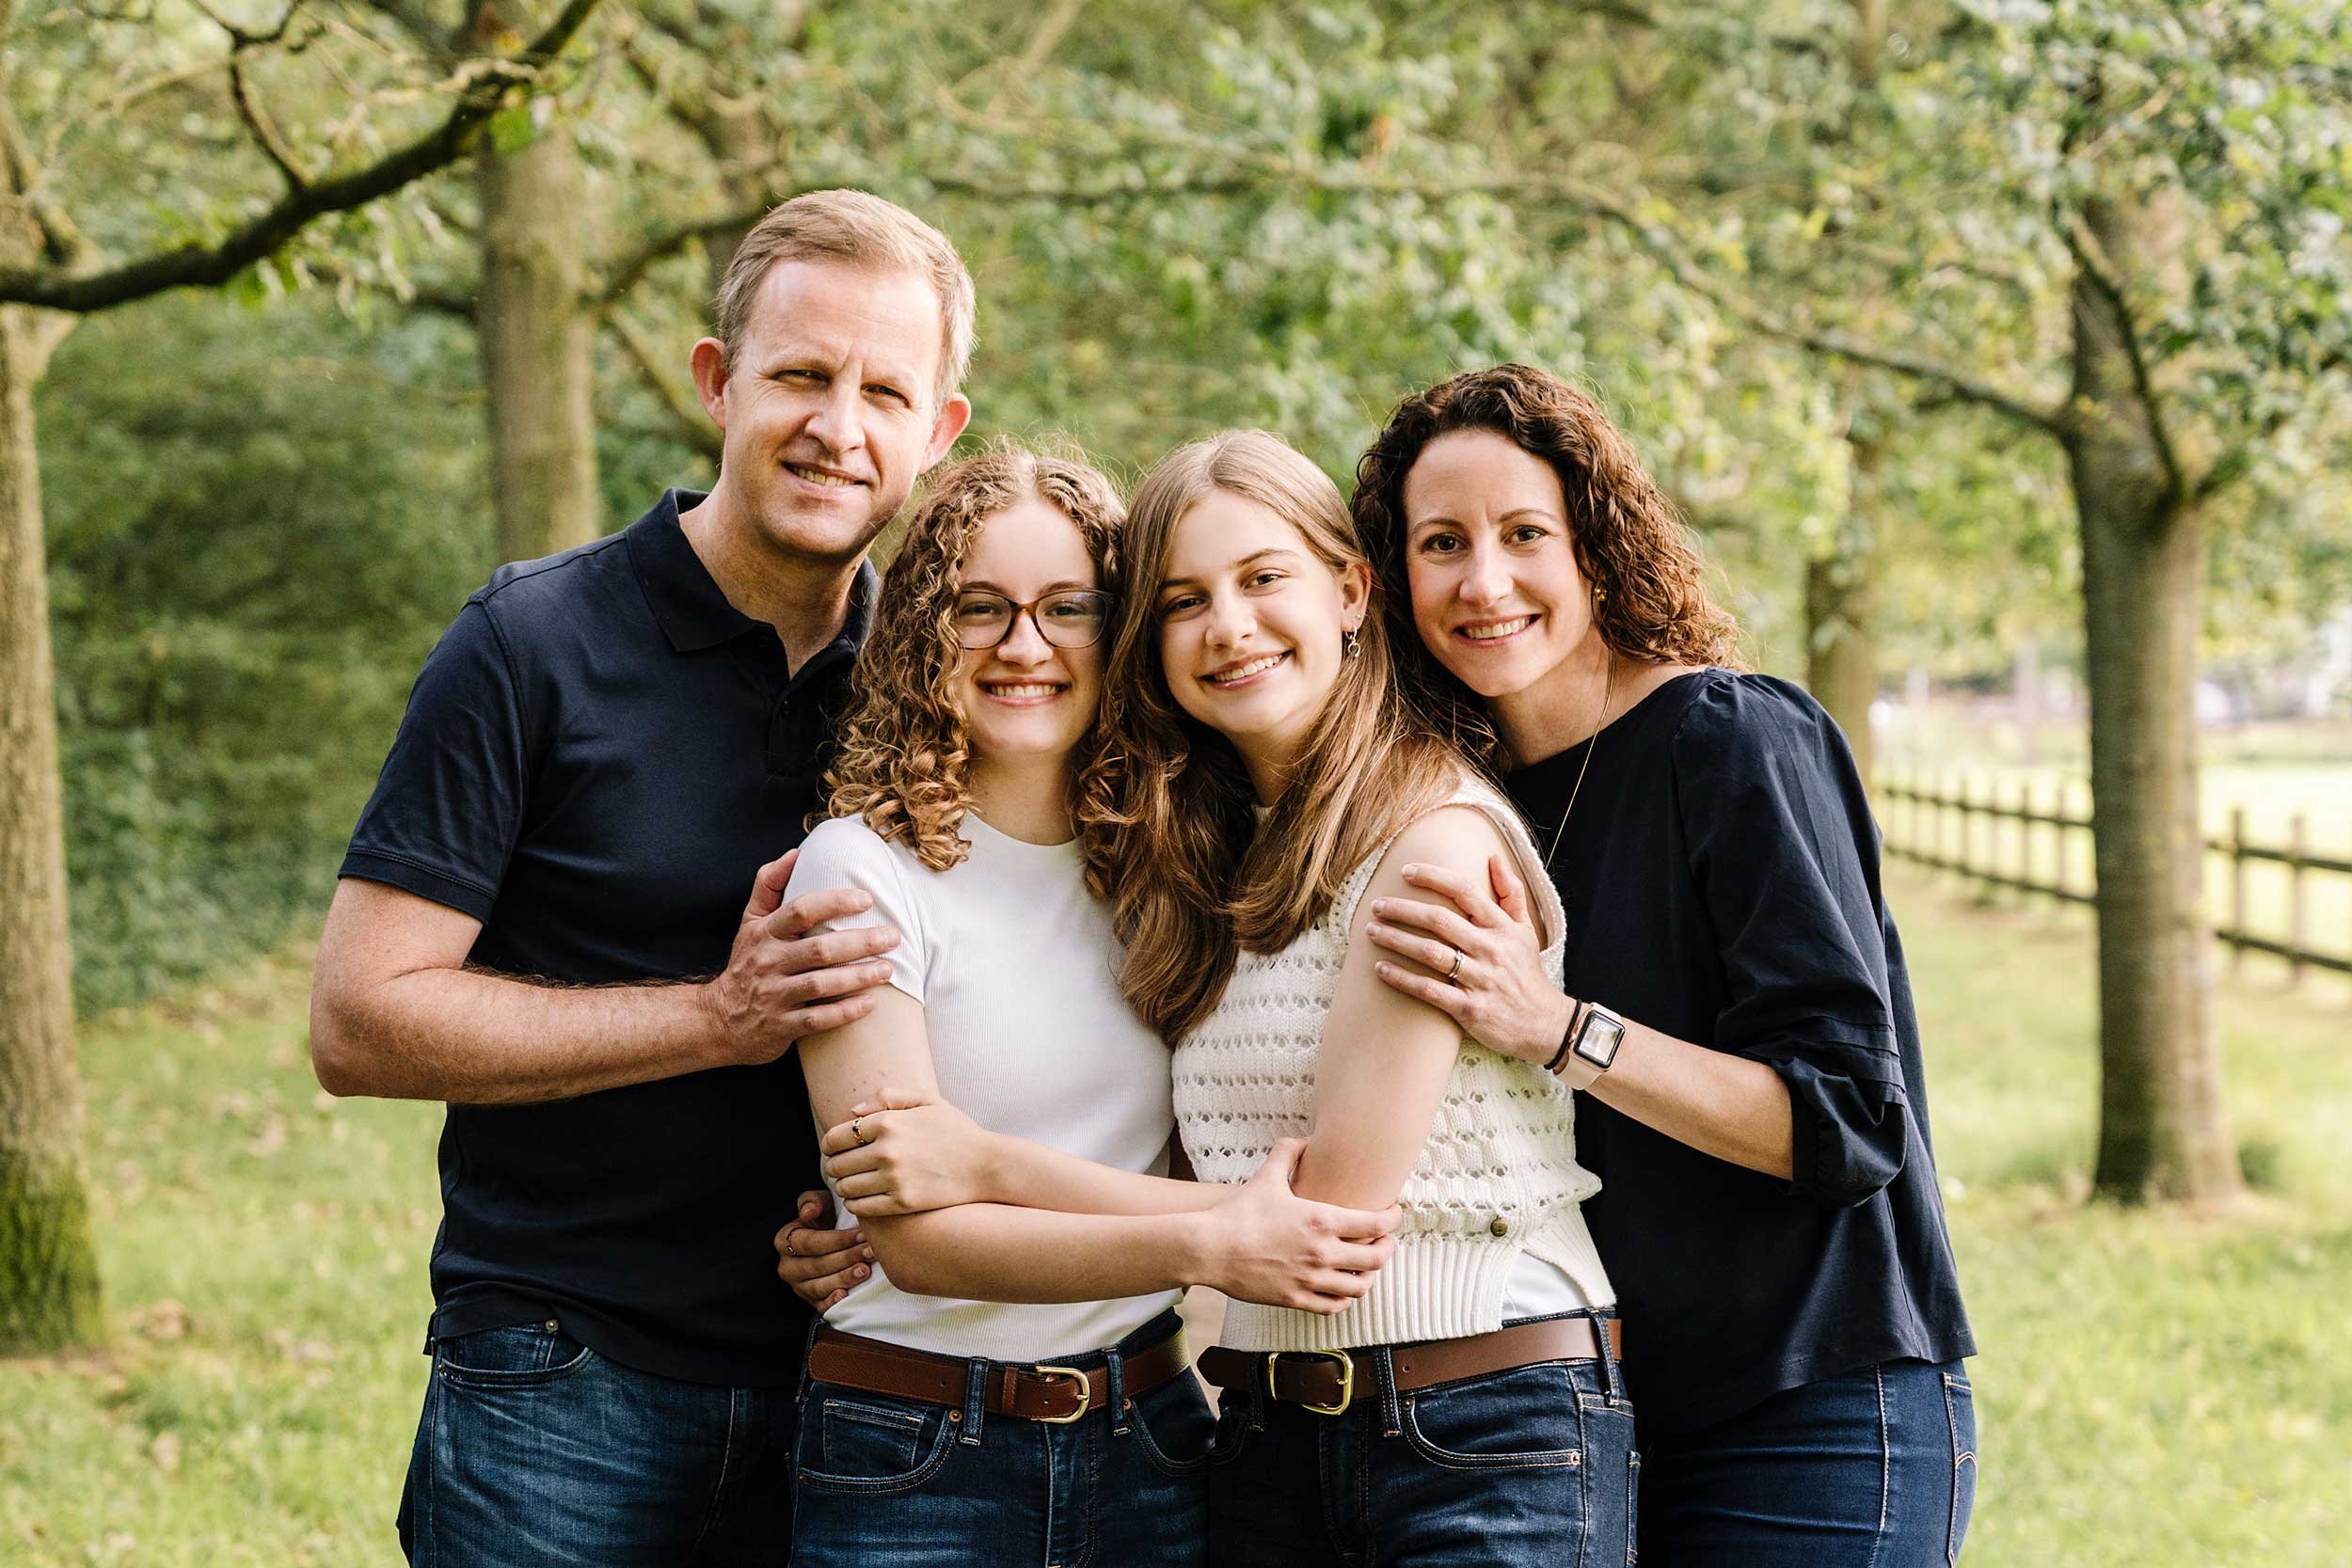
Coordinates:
x,y
2157,1388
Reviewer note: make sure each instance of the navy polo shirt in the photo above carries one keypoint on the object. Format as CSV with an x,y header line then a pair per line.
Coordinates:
x,y
597,759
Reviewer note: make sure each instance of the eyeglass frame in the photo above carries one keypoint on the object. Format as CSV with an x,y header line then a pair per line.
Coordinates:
x,y
1110,602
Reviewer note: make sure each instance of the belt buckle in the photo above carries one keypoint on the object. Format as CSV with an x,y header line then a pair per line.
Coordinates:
x,y
1348,1379
1085,1393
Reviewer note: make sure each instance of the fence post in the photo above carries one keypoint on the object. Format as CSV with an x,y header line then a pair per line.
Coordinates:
x,y
2297,843
2238,885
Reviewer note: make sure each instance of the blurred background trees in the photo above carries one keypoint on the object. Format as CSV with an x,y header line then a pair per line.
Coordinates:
x,y
1992,342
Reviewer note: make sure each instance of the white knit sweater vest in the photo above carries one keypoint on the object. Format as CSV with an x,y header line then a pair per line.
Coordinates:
x,y
1497,1176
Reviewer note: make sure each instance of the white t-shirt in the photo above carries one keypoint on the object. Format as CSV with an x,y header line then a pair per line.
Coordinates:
x,y
1018,972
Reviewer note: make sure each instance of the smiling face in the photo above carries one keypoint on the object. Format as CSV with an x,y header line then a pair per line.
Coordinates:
x,y
1251,626
830,407
1027,699
1497,593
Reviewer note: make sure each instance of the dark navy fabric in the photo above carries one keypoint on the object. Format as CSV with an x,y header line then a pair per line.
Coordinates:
x,y
1874,1468
1532,1468
597,759
1720,875
892,1483
534,1451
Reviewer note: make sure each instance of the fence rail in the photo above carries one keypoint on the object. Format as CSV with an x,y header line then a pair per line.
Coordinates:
x,y
1948,824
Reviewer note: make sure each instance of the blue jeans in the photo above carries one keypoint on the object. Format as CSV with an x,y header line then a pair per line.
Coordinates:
x,y
1875,1468
885,1483
1533,1465
536,1450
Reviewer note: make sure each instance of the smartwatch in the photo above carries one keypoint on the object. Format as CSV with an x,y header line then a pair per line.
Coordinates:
x,y
1593,1037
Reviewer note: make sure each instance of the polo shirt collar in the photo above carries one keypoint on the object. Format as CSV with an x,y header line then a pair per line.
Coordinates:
x,y
687,600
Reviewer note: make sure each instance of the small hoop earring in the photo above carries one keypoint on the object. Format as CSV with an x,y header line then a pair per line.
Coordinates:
x,y
1351,645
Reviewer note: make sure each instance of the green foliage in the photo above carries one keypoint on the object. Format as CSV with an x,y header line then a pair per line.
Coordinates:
x,y
258,522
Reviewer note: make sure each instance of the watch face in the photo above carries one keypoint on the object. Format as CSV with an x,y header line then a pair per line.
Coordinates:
x,y
1597,1041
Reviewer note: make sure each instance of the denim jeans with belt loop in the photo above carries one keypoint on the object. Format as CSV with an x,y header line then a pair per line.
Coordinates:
x,y
1532,1466
887,1483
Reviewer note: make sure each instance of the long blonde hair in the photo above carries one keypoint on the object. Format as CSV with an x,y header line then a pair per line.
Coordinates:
x,y
903,758
1164,814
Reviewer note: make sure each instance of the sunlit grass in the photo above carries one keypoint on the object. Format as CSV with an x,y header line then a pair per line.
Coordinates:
x,y
2158,1388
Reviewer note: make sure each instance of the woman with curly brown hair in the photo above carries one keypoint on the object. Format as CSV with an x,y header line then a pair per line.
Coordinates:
x,y
1733,1009
1011,1386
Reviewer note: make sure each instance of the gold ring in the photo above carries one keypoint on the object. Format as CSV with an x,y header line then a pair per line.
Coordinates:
x,y
1455,973
857,1130
789,1250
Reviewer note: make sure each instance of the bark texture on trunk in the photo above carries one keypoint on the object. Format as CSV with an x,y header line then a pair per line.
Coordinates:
x,y
2162,1131
1841,607
49,1296
537,341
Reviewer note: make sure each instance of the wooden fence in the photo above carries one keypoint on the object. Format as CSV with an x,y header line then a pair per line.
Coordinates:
x,y
2032,840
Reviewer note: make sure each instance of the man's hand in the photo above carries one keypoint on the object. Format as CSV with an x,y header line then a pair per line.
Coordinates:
x,y
782,985
1268,1244
909,1155
821,1266
1500,995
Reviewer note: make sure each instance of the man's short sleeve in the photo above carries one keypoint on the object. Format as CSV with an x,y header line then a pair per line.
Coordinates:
x,y
845,852
448,804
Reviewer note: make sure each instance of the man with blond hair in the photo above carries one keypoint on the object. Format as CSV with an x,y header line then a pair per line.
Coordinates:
x,y
542,922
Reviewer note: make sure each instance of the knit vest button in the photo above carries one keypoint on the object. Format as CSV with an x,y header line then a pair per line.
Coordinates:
x,y
1500,1228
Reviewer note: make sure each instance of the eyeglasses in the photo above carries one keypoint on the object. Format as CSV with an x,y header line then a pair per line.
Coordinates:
x,y
1074,618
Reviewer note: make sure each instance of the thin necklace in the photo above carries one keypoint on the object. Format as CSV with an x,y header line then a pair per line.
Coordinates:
x,y
1608,687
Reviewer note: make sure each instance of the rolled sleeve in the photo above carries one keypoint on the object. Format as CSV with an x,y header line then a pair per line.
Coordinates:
x,y
1782,848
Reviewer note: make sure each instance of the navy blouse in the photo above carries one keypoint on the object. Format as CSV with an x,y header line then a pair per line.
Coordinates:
x,y
1720,875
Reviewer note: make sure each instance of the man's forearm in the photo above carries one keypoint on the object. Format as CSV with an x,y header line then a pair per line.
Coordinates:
x,y
474,1038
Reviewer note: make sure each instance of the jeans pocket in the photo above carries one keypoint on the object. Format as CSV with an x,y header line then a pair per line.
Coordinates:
x,y
525,1356
1612,1480
1233,1427
1173,1424
1524,1418
1959,1409
855,1441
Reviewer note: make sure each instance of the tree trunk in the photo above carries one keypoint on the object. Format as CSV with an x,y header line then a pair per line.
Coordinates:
x,y
537,343
2162,1132
1841,589
48,1271
1841,592
1841,656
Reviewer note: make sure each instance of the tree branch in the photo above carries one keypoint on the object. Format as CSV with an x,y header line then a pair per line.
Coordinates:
x,y
1654,238
2084,247
257,120
1051,27
688,421
205,265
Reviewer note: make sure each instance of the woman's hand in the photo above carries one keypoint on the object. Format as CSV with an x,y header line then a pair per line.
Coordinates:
x,y
910,1155
1268,1244
821,1266
1500,996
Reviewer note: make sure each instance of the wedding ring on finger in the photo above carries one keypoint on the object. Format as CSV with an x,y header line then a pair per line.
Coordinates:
x,y
789,1250
1454,975
857,1130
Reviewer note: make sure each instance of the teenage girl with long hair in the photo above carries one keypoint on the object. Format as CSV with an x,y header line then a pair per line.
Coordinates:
x,y
1734,1011
1012,1385
1468,1409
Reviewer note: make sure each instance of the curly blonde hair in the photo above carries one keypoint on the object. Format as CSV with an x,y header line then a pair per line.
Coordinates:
x,y
903,757
1649,583
1165,817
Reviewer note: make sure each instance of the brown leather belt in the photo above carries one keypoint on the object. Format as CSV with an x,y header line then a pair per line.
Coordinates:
x,y
1041,1393
1324,1381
